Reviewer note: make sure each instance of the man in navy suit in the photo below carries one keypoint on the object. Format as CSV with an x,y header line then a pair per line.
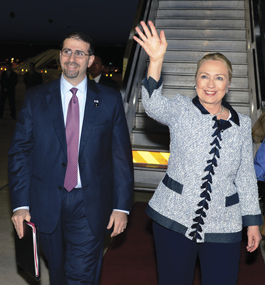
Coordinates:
x,y
95,73
72,222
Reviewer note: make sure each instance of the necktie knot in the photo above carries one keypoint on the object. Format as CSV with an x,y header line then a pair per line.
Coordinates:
x,y
74,90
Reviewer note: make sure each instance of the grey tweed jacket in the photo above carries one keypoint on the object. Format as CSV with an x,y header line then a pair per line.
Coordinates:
x,y
210,189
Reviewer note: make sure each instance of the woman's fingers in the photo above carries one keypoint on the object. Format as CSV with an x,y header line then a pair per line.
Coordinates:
x,y
149,40
141,35
163,37
147,33
153,29
146,29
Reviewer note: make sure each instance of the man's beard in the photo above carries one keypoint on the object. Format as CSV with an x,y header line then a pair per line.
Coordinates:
x,y
70,73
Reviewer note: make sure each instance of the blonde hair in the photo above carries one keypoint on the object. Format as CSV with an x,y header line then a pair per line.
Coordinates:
x,y
216,56
258,130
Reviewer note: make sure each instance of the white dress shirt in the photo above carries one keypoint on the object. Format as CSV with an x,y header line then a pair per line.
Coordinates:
x,y
66,96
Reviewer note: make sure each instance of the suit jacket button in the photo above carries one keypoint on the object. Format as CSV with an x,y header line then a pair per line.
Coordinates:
x,y
63,164
60,188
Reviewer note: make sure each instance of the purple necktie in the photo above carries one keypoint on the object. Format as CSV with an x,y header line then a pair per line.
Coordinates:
x,y
72,139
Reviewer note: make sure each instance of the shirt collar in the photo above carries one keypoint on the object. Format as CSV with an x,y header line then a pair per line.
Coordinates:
x,y
66,86
97,78
234,116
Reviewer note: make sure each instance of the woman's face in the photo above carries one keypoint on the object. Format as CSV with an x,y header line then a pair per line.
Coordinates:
x,y
212,83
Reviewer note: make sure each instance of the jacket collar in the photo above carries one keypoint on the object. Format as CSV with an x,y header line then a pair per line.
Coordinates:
x,y
234,116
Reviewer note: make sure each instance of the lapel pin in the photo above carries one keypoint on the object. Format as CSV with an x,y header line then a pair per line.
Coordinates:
x,y
96,103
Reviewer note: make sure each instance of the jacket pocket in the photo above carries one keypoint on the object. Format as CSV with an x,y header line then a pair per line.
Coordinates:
x,y
231,200
172,184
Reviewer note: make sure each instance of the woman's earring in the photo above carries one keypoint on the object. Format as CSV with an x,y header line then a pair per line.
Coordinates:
x,y
195,87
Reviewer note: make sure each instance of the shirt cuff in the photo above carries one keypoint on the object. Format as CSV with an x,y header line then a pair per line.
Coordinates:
x,y
151,84
126,212
20,208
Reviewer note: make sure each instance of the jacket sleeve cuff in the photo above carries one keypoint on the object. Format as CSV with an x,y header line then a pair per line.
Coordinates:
x,y
252,220
150,84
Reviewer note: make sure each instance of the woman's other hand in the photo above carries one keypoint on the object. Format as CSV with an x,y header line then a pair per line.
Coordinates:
x,y
254,238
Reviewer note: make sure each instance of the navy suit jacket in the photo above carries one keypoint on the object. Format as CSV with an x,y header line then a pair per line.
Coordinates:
x,y
38,156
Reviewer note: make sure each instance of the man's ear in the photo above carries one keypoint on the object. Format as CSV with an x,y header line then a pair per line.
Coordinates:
x,y
90,61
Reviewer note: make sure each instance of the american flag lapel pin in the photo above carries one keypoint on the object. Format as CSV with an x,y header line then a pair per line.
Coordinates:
x,y
96,103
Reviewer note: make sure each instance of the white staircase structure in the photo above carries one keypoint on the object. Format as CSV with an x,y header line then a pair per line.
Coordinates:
x,y
193,29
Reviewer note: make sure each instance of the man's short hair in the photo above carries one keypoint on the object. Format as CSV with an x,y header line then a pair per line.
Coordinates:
x,y
81,37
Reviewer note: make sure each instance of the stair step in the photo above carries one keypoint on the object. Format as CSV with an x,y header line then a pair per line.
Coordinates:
x,y
204,33
145,187
209,45
233,97
142,121
202,4
189,55
208,13
239,106
205,23
189,80
148,139
144,175
243,109
145,148
190,68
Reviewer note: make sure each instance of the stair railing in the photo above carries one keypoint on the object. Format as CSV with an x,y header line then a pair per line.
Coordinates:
x,y
255,25
135,62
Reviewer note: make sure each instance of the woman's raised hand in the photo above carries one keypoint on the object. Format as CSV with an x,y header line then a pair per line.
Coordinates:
x,y
154,45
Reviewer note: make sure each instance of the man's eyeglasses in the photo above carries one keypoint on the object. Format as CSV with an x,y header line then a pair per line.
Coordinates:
x,y
77,53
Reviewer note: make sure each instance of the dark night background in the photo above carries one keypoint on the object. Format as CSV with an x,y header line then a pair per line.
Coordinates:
x,y
30,27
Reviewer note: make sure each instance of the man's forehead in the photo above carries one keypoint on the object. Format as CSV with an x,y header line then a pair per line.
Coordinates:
x,y
75,43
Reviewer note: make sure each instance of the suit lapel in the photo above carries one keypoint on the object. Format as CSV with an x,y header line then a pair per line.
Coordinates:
x,y
54,102
91,112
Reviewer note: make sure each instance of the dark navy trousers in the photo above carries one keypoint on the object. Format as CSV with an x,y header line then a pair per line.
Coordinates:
x,y
74,255
176,259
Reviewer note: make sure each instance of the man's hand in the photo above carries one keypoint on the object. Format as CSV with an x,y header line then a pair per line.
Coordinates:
x,y
119,219
18,217
254,238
